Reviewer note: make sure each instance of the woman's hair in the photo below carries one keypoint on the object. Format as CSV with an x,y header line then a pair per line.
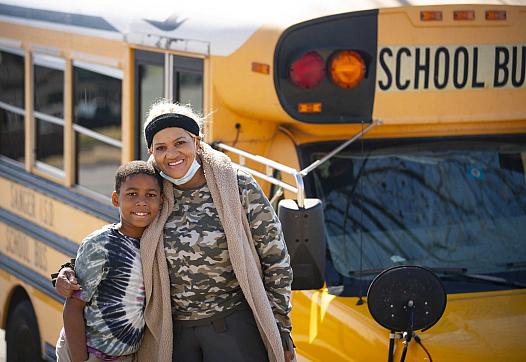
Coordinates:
x,y
164,106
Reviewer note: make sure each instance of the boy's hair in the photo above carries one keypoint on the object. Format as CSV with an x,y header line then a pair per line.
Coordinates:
x,y
133,168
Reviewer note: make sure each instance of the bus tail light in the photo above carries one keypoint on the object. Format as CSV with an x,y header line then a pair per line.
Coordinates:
x,y
495,15
347,68
307,71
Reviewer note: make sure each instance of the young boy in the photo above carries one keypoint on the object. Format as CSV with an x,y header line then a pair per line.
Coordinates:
x,y
104,320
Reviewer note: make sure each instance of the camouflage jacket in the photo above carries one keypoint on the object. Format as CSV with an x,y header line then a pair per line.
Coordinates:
x,y
201,275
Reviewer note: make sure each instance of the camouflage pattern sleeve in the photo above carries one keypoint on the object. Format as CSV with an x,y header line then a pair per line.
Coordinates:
x,y
271,247
90,264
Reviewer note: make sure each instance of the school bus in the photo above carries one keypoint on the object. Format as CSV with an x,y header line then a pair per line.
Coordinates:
x,y
405,120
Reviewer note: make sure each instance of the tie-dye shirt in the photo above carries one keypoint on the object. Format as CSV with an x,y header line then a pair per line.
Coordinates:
x,y
108,266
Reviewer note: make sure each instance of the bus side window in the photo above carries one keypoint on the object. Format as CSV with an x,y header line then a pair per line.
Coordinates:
x,y
12,105
188,82
97,125
190,90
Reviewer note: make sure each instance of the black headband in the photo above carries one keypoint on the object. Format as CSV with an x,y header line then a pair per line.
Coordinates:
x,y
168,120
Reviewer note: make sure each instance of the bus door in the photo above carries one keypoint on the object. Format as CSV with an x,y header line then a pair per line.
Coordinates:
x,y
159,75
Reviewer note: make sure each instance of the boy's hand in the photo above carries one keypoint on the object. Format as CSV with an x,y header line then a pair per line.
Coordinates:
x,y
289,356
66,282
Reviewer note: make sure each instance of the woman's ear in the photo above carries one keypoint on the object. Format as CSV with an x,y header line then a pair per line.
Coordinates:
x,y
115,198
198,143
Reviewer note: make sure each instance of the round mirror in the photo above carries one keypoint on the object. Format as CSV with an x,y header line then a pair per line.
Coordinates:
x,y
406,298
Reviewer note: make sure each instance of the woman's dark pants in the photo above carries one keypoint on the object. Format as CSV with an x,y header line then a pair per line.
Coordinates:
x,y
233,338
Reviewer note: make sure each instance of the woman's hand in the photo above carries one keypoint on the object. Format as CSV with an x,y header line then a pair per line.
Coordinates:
x,y
288,347
289,356
66,282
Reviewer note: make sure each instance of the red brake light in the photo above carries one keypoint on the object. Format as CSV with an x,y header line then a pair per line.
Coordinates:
x,y
307,71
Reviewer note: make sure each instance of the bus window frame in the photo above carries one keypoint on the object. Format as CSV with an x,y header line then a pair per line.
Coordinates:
x,y
143,57
186,65
57,63
108,71
173,65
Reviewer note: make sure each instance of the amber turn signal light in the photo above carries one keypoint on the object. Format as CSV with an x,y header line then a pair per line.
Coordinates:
x,y
495,15
347,68
309,107
463,15
430,15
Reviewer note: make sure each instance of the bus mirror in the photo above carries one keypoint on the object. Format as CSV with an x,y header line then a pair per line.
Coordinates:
x,y
304,233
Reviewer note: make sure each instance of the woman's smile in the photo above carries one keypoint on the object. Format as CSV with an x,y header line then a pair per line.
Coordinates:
x,y
177,165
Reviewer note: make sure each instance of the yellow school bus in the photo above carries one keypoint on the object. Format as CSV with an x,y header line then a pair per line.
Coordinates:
x,y
406,120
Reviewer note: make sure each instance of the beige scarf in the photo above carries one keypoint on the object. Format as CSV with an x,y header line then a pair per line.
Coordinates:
x,y
221,179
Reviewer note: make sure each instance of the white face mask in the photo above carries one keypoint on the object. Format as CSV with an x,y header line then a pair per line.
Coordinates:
x,y
187,177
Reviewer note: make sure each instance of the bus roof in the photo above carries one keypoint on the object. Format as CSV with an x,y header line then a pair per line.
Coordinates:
x,y
202,26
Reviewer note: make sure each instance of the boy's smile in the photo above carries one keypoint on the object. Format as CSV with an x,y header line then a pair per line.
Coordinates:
x,y
139,201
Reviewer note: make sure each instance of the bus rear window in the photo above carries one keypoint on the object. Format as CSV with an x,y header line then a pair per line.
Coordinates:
x,y
455,205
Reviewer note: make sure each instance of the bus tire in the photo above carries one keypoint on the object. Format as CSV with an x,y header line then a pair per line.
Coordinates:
x,y
22,335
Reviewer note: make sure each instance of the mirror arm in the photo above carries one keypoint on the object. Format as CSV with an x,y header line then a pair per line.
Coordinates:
x,y
300,194
329,155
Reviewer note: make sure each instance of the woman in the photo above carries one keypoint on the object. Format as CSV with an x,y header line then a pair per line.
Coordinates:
x,y
216,268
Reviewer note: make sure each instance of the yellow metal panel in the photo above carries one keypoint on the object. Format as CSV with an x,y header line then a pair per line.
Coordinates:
x,y
50,316
47,212
328,328
33,254
248,93
401,27
67,42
